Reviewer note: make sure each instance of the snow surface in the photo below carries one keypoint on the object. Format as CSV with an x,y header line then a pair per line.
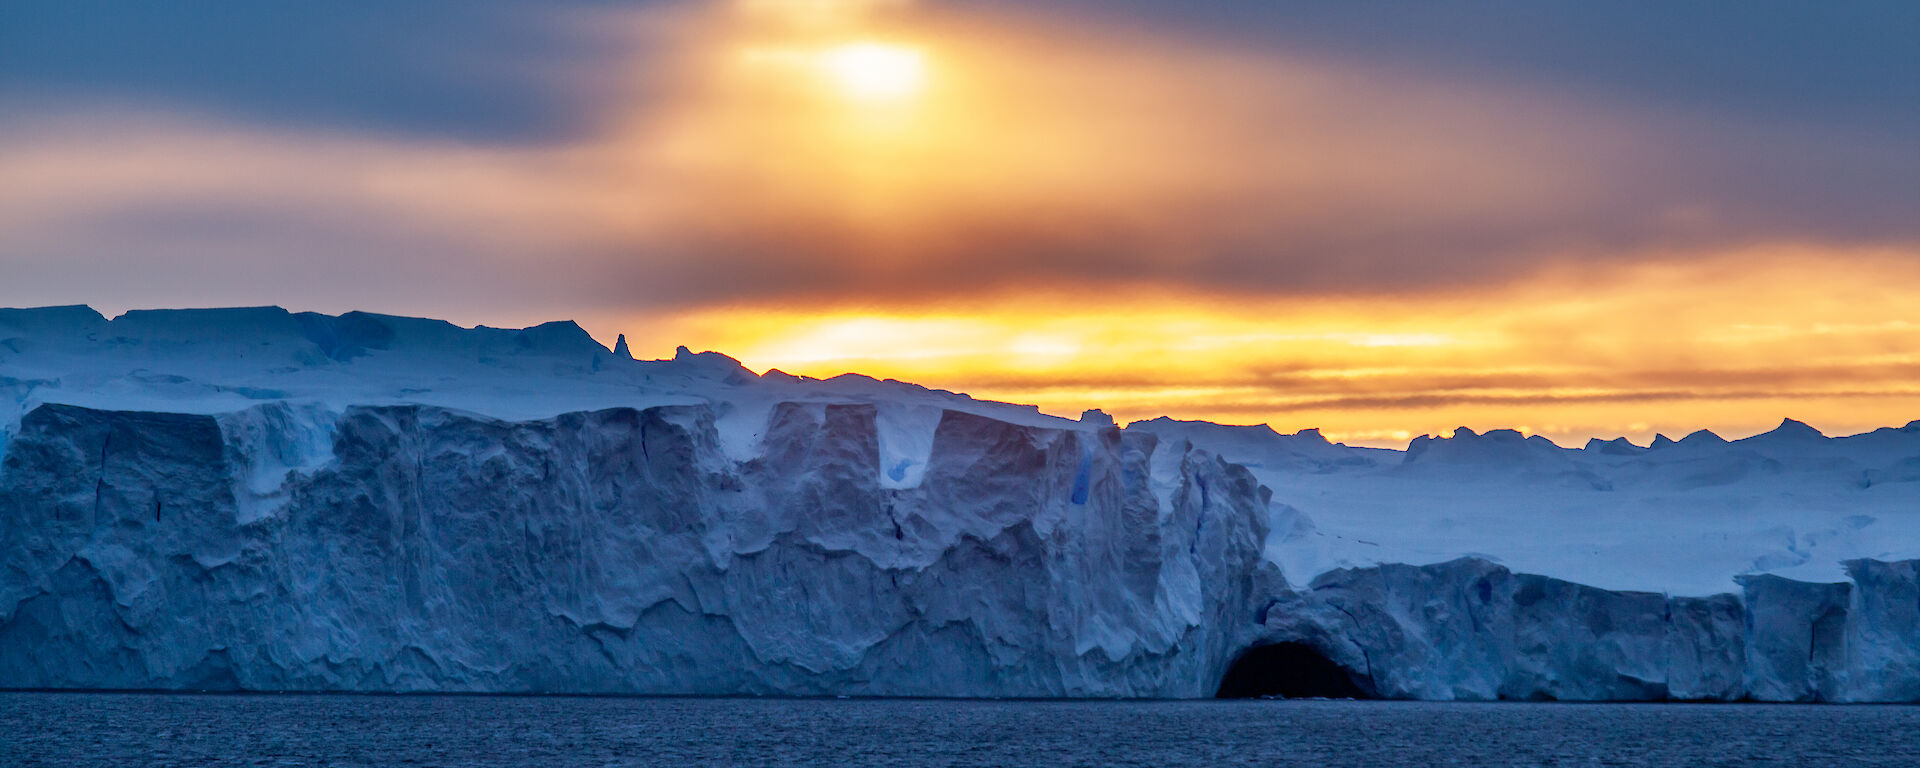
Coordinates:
x,y
1686,517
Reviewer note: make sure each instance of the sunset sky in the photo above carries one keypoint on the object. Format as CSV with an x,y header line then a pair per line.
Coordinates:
x,y
1379,219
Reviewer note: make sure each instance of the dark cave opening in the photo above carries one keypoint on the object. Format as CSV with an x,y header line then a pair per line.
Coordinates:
x,y
1288,670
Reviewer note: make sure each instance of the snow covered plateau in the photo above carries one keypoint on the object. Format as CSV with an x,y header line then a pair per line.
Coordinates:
x,y
254,499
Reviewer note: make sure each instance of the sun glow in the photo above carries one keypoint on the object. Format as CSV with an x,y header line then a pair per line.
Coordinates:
x,y
875,72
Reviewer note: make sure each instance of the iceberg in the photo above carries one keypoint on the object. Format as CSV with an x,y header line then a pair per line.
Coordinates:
x,y
254,499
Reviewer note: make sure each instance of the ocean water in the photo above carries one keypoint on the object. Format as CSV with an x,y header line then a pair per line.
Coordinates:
x,y
86,729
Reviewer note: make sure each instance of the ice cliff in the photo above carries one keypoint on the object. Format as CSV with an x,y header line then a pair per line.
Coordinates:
x,y
1471,630
261,500
618,551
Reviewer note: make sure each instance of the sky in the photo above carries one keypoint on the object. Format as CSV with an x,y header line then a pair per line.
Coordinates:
x,y
1378,219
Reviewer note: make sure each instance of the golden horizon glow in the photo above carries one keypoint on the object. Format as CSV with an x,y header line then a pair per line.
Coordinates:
x,y
1733,343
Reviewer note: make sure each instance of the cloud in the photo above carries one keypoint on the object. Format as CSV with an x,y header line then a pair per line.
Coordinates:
x,y
130,209
1772,63
487,71
1044,152
1052,154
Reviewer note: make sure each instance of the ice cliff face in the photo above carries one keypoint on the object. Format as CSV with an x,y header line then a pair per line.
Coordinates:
x,y
1469,629
617,551
253,499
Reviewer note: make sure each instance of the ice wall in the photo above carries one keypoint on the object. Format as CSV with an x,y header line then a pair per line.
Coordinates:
x,y
1471,630
615,551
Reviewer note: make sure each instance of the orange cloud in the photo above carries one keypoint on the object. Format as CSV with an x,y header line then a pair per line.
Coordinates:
x,y
1043,152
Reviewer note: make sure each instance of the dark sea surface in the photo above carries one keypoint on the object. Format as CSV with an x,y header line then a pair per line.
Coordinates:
x,y
85,729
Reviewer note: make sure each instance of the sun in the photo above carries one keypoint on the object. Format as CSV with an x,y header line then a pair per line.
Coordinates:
x,y
875,72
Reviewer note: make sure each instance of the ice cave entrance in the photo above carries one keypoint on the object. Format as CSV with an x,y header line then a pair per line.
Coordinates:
x,y
1289,670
